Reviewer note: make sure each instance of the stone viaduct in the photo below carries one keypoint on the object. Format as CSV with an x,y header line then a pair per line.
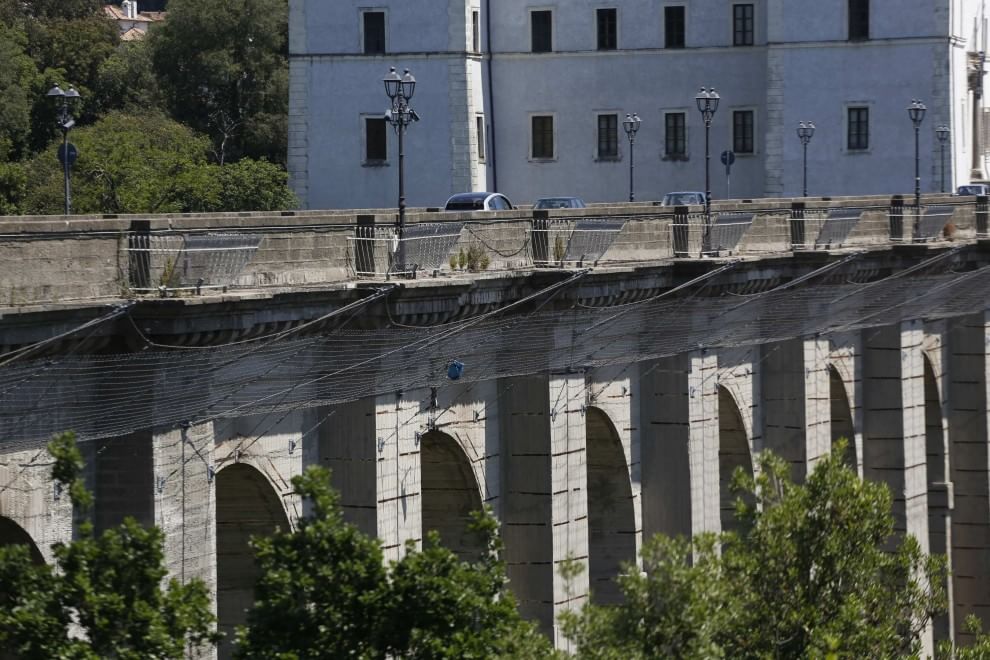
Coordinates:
x,y
594,377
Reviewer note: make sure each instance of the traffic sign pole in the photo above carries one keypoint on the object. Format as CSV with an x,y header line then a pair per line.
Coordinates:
x,y
728,158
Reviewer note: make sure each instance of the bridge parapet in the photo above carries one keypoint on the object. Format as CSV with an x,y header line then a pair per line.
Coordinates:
x,y
56,260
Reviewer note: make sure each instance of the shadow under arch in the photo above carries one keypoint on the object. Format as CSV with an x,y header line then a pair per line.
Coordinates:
x,y
733,452
246,506
939,514
450,493
611,518
13,534
841,416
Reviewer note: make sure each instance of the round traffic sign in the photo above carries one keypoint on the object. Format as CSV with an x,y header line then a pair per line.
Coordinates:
x,y
72,152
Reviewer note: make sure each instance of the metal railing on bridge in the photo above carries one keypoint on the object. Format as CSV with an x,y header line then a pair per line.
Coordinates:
x,y
172,261
166,261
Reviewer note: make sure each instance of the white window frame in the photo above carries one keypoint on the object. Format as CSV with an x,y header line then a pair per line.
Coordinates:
x,y
529,132
372,10
553,30
364,116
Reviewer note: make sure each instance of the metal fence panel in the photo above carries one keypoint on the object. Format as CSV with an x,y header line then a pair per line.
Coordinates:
x,y
728,230
838,225
932,221
180,262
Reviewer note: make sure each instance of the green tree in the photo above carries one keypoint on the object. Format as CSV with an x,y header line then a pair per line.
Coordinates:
x,y
223,68
325,593
126,81
104,597
150,164
19,85
978,650
811,573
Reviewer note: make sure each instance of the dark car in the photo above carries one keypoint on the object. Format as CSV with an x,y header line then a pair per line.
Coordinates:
x,y
559,203
478,201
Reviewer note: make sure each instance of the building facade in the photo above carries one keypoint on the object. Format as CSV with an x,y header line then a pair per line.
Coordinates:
x,y
527,97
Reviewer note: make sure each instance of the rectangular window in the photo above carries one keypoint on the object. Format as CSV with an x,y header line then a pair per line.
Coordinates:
x,y
859,20
675,135
374,32
542,137
475,31
375,140
608,30
742,131
541,25
608,137
479,128
673,27
858,129
742,25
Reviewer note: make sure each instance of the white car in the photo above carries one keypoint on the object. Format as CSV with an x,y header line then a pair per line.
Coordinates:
x,y
974,189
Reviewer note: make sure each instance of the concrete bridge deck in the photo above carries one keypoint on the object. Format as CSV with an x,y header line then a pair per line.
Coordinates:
x,y
601,399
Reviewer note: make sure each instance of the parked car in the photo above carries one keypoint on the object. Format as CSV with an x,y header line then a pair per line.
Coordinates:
x,y
478,201
683,198
974,189
559,203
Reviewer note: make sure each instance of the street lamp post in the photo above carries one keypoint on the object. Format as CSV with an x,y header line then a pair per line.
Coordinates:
x,y
65,123
707,105
400,91
916,111
805,132
942,133
631,125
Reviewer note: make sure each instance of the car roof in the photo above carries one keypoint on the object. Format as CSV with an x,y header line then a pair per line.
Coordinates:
x,y
470,196
686,192
557,198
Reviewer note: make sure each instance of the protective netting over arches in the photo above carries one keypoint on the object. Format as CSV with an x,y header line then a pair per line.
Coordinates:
x,y
111,395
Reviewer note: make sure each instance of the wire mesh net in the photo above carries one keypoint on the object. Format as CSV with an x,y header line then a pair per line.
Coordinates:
x,y
111,395
932,221
564,241
727,231
379,252
174,261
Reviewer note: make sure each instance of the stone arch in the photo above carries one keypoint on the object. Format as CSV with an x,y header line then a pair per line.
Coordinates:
x,y
939,515
450,493
13,534
733,452
841,416
611,518
246,506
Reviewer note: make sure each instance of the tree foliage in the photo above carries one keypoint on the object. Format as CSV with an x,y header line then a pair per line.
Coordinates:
x,y
218,68
223,67
811,573
150,164
325,593
104,597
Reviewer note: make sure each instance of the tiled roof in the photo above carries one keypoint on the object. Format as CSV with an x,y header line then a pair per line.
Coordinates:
x,y
134,34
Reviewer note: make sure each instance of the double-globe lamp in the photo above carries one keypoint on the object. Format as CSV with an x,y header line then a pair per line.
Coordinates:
x,y
400,90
